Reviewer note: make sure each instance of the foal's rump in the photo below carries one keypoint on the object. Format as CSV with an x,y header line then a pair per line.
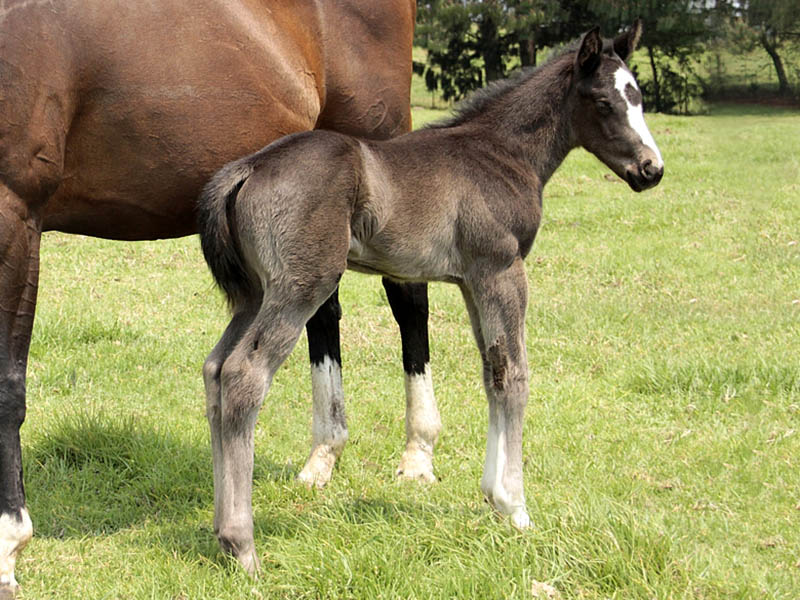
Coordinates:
x,y
281,218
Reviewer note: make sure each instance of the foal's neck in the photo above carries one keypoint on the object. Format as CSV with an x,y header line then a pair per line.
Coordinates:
x,y
533,118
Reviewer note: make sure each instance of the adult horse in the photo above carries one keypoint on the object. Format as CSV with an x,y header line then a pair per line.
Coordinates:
x,y
459,202
112,116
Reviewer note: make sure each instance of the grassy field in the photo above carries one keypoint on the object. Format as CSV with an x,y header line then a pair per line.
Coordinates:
x,y
662,439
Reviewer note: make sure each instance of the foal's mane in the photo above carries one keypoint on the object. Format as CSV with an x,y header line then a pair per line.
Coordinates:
x,y
480,100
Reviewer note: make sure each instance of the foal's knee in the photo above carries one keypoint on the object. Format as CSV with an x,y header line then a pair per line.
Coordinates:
x,y
211,370
243,388
506,373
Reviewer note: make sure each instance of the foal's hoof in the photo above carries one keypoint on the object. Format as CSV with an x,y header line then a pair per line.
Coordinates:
x,y
250,563
8,592
416,465
515,512
242,548
247,558
520,519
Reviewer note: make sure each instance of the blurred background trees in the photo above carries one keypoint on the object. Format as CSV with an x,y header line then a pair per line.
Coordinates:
x,y
691,49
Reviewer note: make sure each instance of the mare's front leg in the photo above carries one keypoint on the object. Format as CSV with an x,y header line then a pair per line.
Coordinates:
x,y
328,425
409,303
496,303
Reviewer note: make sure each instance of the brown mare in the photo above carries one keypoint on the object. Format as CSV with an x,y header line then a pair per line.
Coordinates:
x,y
114,113
459,202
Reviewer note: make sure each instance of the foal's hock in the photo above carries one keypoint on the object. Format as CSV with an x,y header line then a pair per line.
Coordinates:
x,y
458,202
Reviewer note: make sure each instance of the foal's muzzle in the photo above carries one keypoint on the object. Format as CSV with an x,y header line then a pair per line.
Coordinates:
x,y
644,175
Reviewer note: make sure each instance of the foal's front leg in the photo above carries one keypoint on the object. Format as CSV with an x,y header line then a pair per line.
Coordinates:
x,y
496,305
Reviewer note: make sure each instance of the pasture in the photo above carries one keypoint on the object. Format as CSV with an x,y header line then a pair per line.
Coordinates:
x,y
662,436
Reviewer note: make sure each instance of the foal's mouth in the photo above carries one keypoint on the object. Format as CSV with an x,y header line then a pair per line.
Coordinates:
x,y
643,179
633,181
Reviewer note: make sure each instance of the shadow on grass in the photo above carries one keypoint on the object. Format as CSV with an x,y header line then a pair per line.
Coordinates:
x,y
96,474
93,473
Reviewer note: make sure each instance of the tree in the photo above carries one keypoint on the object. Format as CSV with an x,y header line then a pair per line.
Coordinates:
x,y
470,42
674,32
772,23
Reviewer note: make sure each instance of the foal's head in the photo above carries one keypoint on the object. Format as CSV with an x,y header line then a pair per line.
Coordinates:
x,y
608,120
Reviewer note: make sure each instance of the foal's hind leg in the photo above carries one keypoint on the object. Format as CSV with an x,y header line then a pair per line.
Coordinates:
x,y
328,426
409,303
211,377
496,306
245,378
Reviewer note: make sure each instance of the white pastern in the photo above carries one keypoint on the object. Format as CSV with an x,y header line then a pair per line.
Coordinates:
x,y
328,428
490,464
423,424
14,535
622,78
494,469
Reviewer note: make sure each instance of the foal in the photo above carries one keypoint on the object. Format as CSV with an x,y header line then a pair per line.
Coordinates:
x,y
457,202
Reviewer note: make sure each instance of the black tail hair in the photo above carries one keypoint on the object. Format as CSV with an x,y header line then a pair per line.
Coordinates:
x,y
218,239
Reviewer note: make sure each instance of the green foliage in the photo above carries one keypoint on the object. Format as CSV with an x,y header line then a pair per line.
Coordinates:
x,y
674,88
773,23
475,41
452,68
661,438
772,27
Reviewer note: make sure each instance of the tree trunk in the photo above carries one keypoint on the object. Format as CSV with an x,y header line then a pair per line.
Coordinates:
x,y
772,50
527,53
490,49
656,87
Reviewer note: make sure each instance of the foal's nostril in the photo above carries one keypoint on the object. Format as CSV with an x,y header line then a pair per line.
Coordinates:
x,y
649,171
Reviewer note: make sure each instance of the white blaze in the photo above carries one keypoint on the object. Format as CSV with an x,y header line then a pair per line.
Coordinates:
x,y
622,78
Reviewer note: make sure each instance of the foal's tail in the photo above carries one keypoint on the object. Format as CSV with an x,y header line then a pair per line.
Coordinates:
x,y
216,217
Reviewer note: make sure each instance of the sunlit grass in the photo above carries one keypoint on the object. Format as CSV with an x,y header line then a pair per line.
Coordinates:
x,y
661,445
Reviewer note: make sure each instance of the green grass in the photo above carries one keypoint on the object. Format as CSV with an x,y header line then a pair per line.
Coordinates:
x,y
661,440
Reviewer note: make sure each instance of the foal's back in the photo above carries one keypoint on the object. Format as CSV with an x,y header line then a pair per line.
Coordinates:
x,y
414,208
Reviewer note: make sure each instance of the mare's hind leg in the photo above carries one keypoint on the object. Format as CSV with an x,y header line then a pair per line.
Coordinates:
x,y
19,270
496,306
245,377
409,303
211,377
328,425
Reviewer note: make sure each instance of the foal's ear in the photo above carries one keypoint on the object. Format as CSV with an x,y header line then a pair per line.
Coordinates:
x,y
625,43
588,57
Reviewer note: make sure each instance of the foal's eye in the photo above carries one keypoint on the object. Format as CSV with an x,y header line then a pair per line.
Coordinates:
x,y
604,107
